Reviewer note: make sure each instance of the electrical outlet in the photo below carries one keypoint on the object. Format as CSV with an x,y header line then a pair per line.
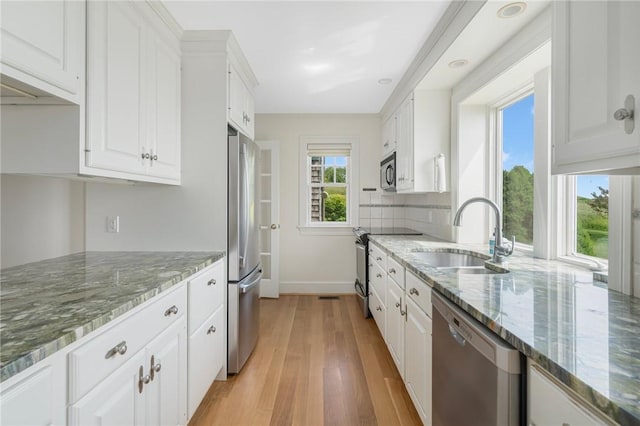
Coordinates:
x,y
113,224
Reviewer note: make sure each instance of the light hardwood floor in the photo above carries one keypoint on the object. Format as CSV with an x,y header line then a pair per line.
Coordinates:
x,y
316,362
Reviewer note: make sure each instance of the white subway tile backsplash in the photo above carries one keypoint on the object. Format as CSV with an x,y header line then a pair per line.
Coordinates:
x,y
387,199
376,198
365,212
376,213
387,223
376,223
398,213
387,212
365,197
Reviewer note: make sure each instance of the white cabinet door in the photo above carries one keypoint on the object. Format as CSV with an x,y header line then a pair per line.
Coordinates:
x,y
116,73
395,324
117,400
166,358
389,136
163,134
404,150
207,354
417,365
43,45
596,64
241,103
378,311
549,404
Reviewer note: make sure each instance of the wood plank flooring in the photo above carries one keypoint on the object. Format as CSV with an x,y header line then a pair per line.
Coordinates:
x,y
317,362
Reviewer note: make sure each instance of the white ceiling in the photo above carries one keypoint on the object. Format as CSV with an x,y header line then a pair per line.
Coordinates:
x,y
319,56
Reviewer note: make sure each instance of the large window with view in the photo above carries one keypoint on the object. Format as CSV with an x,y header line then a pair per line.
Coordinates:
x,y
516,122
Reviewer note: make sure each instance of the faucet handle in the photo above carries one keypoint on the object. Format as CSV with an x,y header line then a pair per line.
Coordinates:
x,y
507,246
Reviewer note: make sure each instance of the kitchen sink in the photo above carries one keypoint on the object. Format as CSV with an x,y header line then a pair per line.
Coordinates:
x,y
440,259
473,270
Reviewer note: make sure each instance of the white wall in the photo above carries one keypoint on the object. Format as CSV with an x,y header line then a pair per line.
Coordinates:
x,y
41,218
317,264
636,237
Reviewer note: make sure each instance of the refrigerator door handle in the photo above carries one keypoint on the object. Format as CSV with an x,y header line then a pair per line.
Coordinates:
x,y
245,288
245,219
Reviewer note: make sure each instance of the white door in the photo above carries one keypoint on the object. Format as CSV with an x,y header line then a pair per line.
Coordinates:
x,y
166,358
270,218
116,81
417,357
117,400
395,324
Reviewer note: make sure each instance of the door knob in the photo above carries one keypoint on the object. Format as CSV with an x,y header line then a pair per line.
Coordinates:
x,y
274,226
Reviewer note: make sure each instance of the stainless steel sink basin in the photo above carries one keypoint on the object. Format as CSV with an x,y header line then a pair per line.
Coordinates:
x,y
473,270
448,259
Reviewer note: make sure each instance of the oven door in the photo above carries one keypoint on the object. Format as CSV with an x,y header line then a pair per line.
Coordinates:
x,y
388,173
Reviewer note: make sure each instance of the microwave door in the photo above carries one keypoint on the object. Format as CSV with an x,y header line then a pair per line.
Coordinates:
x,y
389,175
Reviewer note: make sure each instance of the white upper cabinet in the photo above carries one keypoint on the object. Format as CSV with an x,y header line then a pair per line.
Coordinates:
x,y
241,102
422,133
389,135
43,44
596,64
133,93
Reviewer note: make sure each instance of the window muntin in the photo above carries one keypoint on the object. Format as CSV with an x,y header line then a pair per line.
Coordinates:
x,y
516,123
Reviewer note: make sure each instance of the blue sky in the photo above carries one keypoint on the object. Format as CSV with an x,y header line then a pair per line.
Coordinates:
x,y
517,145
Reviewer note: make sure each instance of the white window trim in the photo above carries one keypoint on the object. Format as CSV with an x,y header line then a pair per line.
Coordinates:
x,y
328,228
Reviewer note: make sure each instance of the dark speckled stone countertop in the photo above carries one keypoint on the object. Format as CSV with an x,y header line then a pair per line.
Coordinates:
x,y
585,335
47,305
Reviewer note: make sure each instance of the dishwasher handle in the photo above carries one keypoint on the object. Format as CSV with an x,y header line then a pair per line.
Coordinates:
x,y
456,336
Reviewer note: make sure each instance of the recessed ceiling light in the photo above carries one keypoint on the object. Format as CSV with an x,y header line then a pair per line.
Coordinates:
x,y
512,10
458,63
384,81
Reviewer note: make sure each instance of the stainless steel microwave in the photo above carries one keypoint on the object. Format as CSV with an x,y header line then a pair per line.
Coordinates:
x,y
388,173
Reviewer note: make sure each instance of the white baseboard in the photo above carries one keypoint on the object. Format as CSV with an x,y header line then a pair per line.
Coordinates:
x,y
316,287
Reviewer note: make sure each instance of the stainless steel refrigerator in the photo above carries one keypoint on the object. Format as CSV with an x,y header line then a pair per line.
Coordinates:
x,y
245,271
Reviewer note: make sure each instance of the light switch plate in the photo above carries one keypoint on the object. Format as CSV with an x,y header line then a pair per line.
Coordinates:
x,y
113,224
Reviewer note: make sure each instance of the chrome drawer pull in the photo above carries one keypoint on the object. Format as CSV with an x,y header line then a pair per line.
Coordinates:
x,y
397,304
211,329
378,308
378,259
379,275
392,271
414,291
120,348
212,281
171,310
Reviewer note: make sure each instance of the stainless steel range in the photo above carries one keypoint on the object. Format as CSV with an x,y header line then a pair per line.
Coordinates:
x,y
362,260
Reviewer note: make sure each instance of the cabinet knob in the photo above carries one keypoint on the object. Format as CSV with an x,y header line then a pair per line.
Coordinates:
x,y
397,304
211,329
142,379
146,155
120,348
274,226
378,259
379,275
392,271
212,281
414,291
155,157
627,114
378,308
155,367
171,310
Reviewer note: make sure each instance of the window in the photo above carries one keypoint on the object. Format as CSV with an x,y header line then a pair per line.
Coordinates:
x,y
328,167
516,129
591,215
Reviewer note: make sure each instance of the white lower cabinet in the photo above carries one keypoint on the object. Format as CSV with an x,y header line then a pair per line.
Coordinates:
x,y
149,389
395,324
207,332
550,404
378,311
417,359
206,357
36,396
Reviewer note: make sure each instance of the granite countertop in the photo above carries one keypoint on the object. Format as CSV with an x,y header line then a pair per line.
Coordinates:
x,y
585,335
47,305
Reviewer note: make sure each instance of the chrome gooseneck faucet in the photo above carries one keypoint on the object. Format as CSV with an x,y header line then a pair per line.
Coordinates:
x,y
500,251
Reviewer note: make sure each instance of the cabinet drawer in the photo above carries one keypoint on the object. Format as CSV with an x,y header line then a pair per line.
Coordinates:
x,y
419,292
95,360
396,271
378,310
378,280
206,293
207,352
376,255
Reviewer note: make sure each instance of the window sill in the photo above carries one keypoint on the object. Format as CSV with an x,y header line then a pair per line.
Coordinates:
x,y
595,266
326,230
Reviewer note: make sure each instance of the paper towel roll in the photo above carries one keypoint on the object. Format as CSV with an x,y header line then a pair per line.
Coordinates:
x,y
441,174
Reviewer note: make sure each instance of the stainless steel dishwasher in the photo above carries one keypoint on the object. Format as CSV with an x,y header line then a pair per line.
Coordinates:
x,y
476,375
